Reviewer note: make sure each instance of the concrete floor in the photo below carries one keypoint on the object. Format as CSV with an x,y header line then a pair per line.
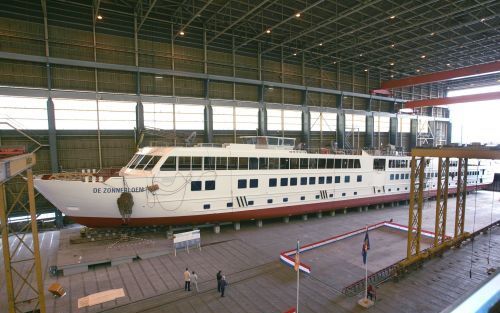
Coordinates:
x,y
258,282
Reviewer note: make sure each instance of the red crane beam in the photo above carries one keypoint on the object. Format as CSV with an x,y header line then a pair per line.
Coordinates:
x,y
453,100
481,69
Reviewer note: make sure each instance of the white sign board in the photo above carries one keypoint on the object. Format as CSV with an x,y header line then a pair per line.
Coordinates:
x,y
186,240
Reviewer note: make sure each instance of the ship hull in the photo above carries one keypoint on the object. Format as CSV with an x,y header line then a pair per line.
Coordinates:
x,y
264,213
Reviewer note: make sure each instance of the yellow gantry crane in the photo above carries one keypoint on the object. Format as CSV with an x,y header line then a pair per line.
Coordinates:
x,y
23,271
418,164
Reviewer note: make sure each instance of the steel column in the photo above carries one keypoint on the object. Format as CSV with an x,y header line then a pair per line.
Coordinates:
x,y
416,204
441,201
208,123
370,127
6,250
413,132
341,130
262,116
461,196
306,125
393,130
51,119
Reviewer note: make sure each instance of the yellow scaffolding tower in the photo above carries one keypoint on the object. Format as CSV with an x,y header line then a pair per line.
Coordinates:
x,y
418,164
23,273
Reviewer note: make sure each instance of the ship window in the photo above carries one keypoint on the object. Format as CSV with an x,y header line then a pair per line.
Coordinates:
x,y
285,199
397,189
254,183
338,163
345,163
242,183
313,163
390,189
170,164
397,176
254,164
269,200
210,185
321,163
274,163
312,180
134,160
272,182
407,176
263,164
317,196
379,164
293,181
331,195
232,163
206,206
329,163
209,163
355,193
398,163
351,163
391,163
152,162
337,179
143,162
196,163
391,177
304,164
402,176
284,163
302,198
195,185
184,163
294,163
243,163
321,180
250,202
303,180
329,179
347,179
343,194
229,204
357,163
221,164
284,181
359,178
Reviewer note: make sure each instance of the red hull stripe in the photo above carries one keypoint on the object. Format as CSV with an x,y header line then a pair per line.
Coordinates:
x,y
248,214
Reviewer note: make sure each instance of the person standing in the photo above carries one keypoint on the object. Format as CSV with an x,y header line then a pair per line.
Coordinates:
x,y
219,278
223,284
194,276
187,280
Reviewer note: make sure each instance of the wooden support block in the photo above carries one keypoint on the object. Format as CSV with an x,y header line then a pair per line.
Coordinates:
x,y
57,290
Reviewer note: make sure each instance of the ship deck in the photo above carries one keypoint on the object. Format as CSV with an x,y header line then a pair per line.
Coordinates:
x,y
258,282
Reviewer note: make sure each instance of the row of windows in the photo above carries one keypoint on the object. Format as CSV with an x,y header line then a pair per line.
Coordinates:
x,y
397,176
293,181
187,163
196,185
398,163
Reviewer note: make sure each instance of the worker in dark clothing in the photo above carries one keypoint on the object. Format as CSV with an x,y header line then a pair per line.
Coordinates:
x,y
223,284
219,278
371,293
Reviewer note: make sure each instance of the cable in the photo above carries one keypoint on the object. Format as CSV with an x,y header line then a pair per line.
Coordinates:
x,y
491,224
474,223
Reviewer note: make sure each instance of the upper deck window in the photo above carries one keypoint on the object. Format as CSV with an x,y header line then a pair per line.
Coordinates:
x,y
170,164
152,162
209,163
379,164
196,163
221,163
147,162
184,163
135,160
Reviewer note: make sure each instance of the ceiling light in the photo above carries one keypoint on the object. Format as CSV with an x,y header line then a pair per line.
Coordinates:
x,y
418,70
366,70
482,20
392,63
392,46
392,75
393,17
422,56
181,33
295,53
320,43
334,62
99,17
158,77
361,54
268,31
432,34
297,14
448,64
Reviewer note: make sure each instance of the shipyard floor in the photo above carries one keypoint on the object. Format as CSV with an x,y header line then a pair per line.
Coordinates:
x,y
259,282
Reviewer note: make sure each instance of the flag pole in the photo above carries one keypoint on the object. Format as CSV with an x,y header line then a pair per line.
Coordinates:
x,y
298,275
366,272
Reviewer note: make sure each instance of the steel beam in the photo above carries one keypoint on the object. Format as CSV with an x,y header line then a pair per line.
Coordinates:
x,y
306,125
393,131
417,185
461,197
472,152
51,119
195,15
145,16
370,128
441,201
464,72
208,123
453,100
340,130
249,12
149,70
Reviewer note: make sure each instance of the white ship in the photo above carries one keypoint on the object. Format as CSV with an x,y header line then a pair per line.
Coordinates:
x,y
264,177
